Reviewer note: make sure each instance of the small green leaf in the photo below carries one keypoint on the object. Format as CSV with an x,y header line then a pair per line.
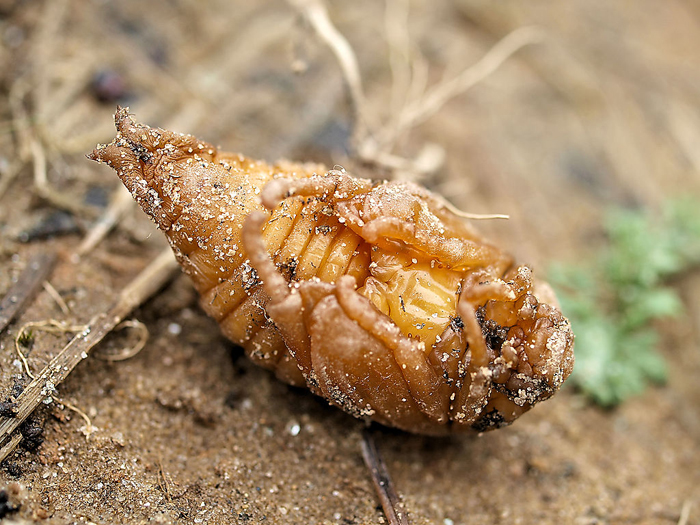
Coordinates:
x,y
614,299
646,304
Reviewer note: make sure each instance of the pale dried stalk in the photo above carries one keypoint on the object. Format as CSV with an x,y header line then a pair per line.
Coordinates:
x,y
120,204
375,145
685,512
388,497
89,428
128,352
38,269
420,110
56,297
314,11
45,190
146,283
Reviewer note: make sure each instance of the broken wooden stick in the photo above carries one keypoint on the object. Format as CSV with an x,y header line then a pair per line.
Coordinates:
x,y
388,497
148,282
29,282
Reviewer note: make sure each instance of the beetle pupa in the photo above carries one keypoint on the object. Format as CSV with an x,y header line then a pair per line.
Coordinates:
x,y
374,295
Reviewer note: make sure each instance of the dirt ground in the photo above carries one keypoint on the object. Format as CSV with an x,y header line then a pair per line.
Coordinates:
x,y
602,111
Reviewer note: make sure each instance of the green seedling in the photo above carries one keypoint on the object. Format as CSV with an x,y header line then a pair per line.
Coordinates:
x,y
614,299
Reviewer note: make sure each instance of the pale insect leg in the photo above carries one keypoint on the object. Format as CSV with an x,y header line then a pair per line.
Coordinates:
x,y
426,386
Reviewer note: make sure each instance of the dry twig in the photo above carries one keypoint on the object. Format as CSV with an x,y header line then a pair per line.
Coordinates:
x,y
56,297
374,144
46,191
89,428
685,512
382,482
141,288
121,203
128,353
164,486
36,272
429,104
316,14
10,445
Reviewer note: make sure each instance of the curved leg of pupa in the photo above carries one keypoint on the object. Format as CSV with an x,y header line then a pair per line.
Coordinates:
x,y
474,394
335,184
393,218
481,286
342,359
477,289
456,252
477,403
426,385
287,304
357,371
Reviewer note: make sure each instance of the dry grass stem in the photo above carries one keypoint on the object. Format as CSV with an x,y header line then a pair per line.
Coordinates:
x,y
43,386
10,445
129,352
53,326
28,283
56,297
314,11
164,485
393,509
685,512
411,106
428,105
89,428
472,216
21,123
119,206
44,189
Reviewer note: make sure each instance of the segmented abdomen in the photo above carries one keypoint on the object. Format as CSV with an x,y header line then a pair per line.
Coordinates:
x,y
200,197
305,242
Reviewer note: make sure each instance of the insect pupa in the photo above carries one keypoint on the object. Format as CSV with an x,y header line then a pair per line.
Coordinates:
x,y
375,296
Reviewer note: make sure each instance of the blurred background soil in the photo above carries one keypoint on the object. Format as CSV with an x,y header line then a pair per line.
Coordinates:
x,y
602,112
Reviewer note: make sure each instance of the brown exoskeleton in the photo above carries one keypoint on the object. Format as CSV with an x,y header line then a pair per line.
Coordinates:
x,y
375,295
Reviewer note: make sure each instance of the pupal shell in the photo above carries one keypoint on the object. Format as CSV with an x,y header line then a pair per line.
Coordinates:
x,y
374,295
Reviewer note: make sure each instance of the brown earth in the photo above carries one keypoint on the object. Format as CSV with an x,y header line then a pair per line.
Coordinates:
x,y
602,112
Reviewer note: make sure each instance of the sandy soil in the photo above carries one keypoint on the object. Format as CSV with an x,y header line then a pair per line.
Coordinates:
x,y
602,112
